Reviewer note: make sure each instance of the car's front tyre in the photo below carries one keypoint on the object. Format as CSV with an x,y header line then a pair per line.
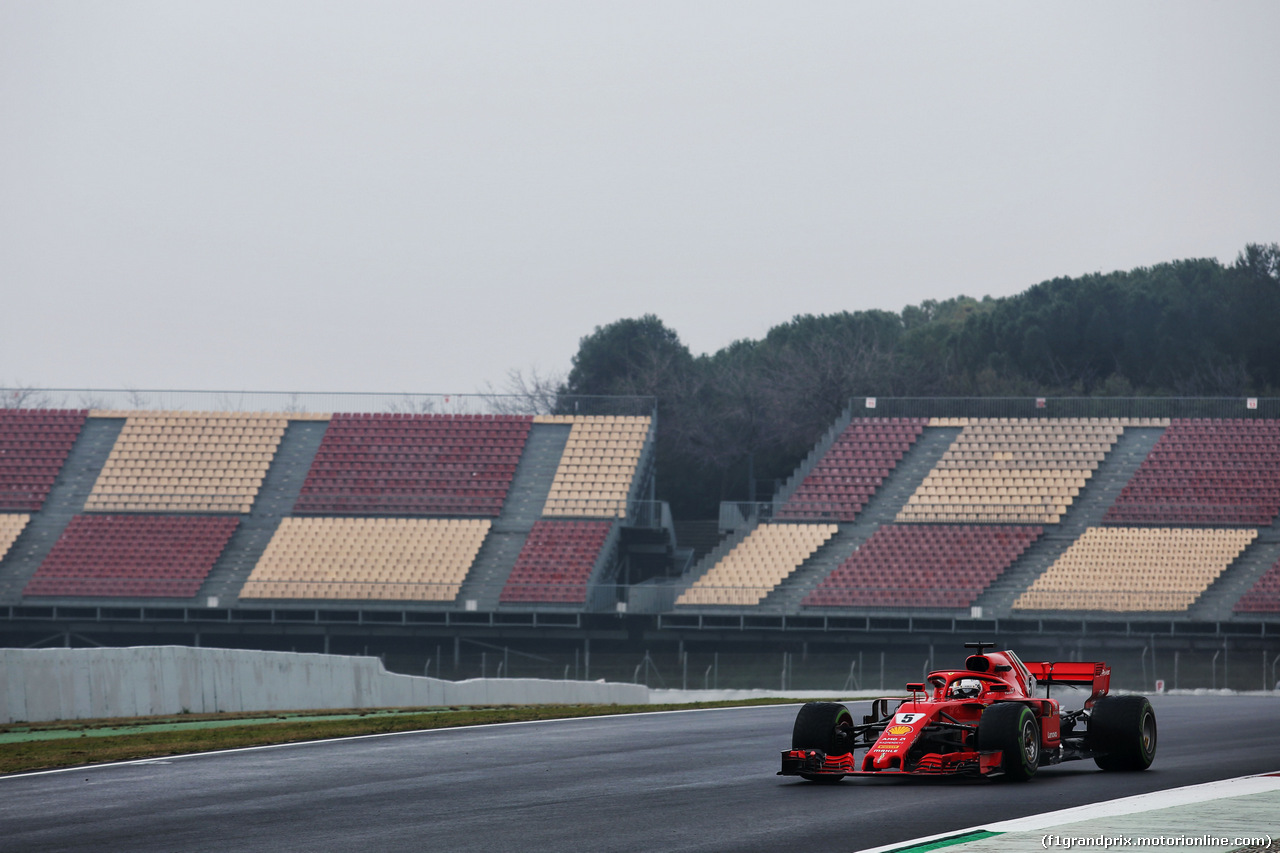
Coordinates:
x,y
1013,729
824,726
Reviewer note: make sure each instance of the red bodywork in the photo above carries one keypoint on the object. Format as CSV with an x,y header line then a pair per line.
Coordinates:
x,y
935,732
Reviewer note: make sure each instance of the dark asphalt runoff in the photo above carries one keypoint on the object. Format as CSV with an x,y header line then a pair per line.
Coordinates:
x,y
683,781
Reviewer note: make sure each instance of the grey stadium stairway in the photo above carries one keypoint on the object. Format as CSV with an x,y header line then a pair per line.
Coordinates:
x,y
883,507
1216,604
66,499
525,499
276,498
1111,475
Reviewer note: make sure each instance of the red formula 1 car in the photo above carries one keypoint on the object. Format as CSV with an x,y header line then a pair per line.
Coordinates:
x,y
986,719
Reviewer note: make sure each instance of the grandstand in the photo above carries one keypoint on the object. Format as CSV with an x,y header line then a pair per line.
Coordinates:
x,y
392,508
847,475
34,444
456,465
1264,595
132,556
556,562
596,472
757,564
380,559
933,566
1027,472
1136,569
1206,471
271,521
186,462
11,525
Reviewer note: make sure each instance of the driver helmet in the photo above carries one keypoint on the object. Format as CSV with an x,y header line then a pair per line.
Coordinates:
x,y
966,688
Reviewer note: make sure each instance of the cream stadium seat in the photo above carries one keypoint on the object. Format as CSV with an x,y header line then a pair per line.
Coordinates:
x,y
176,462
997,472
385,559
757,564
598,466
1136,569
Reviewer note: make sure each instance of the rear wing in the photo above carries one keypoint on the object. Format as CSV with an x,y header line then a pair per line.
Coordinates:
x,y
1095,675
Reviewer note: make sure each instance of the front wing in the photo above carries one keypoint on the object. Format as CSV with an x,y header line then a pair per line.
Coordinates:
x,y
816,763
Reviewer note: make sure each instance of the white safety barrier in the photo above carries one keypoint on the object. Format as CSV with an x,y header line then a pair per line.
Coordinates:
x,y
39,685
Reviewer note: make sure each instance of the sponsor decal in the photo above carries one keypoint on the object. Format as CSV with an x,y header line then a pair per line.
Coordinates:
x,y
898,730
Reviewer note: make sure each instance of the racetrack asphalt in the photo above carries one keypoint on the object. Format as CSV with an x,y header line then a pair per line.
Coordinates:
x,y
682,781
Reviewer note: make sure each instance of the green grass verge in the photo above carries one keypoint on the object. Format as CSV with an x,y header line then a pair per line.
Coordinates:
x,y
27,747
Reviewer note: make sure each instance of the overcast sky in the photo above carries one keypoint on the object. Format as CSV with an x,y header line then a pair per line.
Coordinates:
x,y
421,196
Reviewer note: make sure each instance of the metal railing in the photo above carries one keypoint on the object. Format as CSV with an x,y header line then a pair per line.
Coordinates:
x,y
1067,407
650,515
391,614
735,515
654,515
312,403
309,402
358,502
354,590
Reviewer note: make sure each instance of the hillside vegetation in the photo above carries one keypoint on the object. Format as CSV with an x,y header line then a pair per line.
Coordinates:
x,y
750,411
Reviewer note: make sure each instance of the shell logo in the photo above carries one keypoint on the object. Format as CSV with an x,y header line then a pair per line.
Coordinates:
x,y
898,730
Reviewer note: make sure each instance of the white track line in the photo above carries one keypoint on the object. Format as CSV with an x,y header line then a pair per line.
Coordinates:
x,y
1171,798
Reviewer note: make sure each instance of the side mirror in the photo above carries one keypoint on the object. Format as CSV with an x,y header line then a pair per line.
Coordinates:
x,y
879,711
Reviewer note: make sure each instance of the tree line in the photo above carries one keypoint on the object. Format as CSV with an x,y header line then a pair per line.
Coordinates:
x,y
749,412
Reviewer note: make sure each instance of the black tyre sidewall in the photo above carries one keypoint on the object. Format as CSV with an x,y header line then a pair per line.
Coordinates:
x,y
816,725
1002,727
1117,728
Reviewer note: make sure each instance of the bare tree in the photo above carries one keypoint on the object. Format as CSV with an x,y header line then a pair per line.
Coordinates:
x,y
294,406
413,404
535,394
137,399
90,400
19,396
808,384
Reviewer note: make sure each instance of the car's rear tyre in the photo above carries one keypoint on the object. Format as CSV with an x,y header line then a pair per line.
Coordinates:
x,y
823,726
1013,729
1122,731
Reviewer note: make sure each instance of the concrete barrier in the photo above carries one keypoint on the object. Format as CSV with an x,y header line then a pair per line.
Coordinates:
x,y
39,685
